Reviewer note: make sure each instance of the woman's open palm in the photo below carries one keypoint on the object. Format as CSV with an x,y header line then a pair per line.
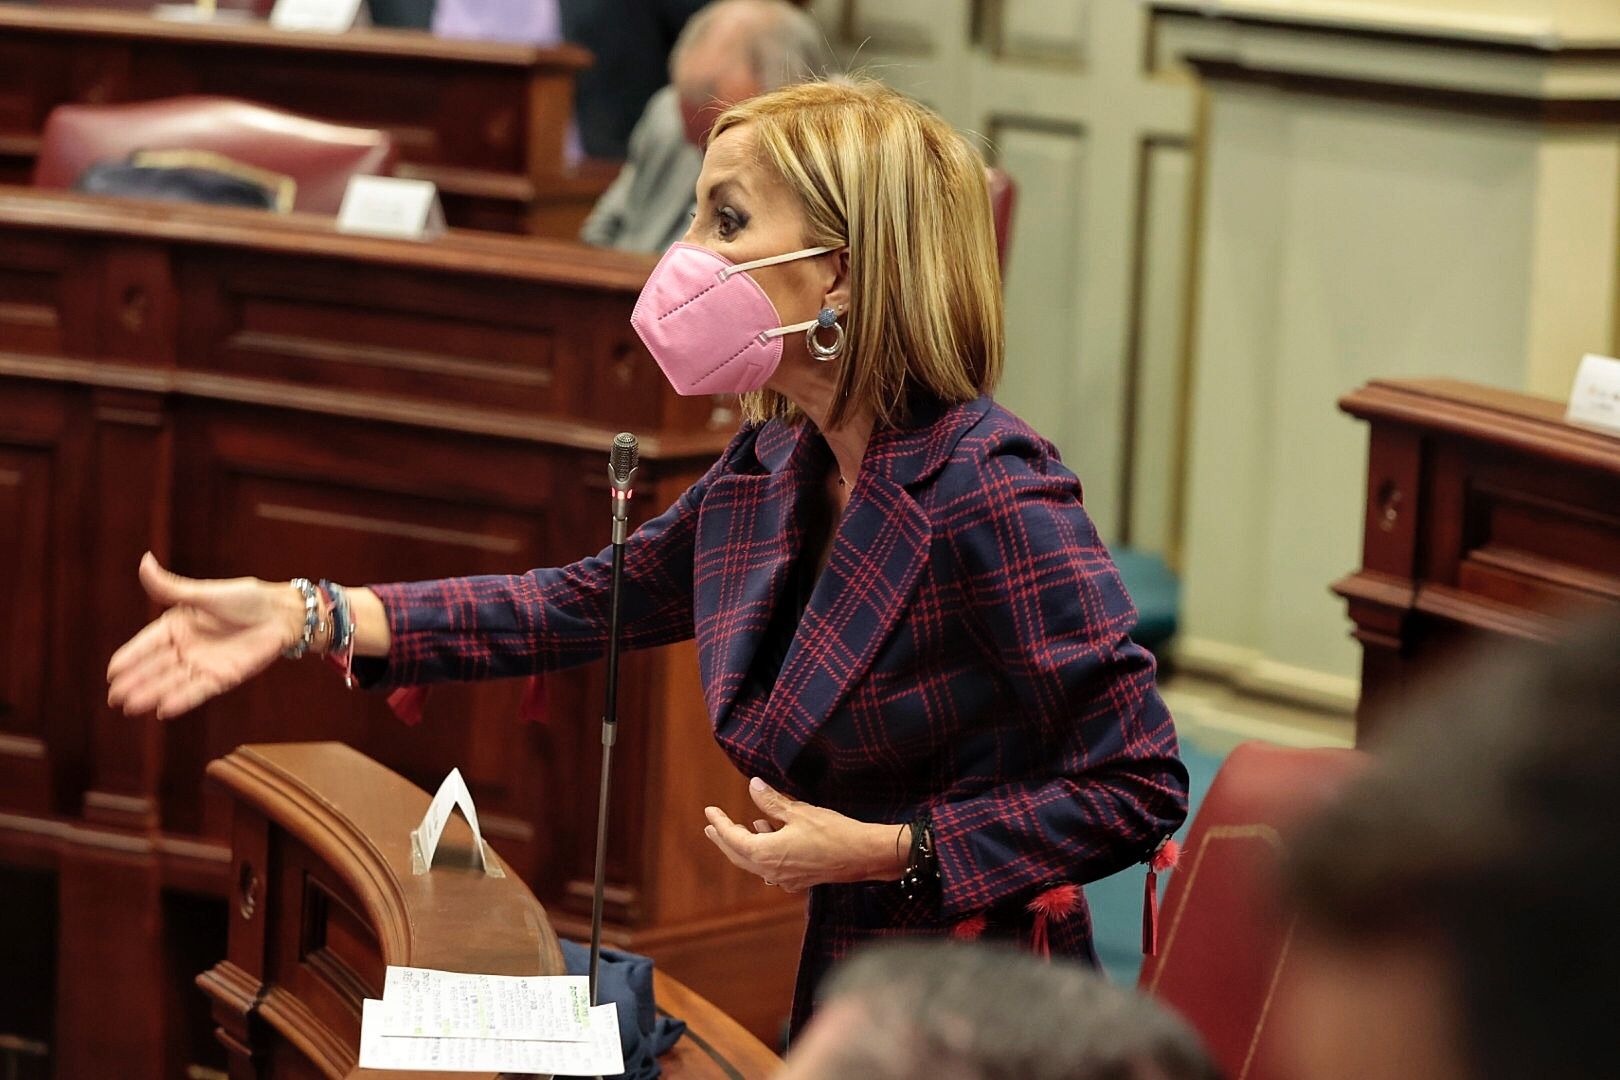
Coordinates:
x,y
215,635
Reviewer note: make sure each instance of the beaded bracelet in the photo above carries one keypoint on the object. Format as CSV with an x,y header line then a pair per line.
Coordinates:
x,y
341,648
312,618
922,864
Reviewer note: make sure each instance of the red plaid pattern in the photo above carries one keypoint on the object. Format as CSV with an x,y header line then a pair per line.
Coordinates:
x,y
965,653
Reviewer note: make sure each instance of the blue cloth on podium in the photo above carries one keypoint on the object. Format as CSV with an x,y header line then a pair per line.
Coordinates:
x,y
627,980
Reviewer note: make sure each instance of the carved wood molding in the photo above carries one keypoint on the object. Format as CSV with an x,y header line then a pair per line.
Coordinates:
x,y
562,263
288,800
525,427
1500,417
563,59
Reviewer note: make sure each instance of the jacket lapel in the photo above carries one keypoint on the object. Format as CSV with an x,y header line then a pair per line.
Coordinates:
x,y
748,537
879,550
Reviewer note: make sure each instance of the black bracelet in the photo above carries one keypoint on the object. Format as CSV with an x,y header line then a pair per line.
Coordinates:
x,y
922,865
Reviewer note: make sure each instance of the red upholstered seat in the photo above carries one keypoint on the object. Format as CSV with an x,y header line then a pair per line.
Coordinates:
x,y
1003,199
321,157
1223,941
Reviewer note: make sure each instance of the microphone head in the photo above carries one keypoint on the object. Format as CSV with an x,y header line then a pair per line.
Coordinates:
x,y
622,461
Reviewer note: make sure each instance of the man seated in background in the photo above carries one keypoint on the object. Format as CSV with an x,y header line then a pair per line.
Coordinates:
x,y
1457,906
946,1010
729,51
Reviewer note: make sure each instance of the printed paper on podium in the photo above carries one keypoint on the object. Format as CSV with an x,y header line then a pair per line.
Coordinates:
x,y
458,1005
599,1055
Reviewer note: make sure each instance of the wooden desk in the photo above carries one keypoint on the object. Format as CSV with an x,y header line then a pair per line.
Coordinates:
x,y
324,900
243,393
485,121
1487,517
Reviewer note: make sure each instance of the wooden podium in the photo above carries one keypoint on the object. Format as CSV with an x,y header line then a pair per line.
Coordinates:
x,y
324,899
1488,517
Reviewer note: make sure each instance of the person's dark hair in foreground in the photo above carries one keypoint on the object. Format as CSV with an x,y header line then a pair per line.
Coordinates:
x,y
945,1010
1462,897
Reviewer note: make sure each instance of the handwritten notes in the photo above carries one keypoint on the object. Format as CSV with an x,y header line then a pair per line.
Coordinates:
x,y
598,1054
452,1021
454,1005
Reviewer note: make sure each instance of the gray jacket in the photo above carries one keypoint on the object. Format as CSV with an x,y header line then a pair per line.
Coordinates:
x,y
649,205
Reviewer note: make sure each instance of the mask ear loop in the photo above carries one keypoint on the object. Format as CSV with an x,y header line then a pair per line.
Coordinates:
x,y
803,253
826,320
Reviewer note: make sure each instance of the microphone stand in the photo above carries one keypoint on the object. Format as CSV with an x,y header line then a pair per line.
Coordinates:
x,y
621,468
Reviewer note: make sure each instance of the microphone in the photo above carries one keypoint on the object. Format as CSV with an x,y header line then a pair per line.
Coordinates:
x,y
621,471
621,467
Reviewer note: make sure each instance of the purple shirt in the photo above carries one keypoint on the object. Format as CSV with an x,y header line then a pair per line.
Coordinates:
x,y
522,22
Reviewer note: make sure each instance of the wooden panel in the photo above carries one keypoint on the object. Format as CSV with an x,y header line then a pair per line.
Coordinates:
x,y
28,957
902,26
1044,286
445,337
25,519
37,279
43,478
109,944
1052,32
1155,396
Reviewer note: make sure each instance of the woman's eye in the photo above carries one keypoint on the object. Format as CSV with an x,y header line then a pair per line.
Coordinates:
x,y
729,221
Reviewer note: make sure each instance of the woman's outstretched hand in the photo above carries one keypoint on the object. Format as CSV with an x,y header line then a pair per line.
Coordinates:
x,y
215,635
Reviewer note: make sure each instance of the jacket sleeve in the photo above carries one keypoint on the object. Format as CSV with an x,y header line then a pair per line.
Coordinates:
x,y
465,629
1048,604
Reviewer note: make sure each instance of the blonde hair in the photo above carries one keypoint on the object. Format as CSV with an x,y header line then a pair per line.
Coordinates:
x,y
889,179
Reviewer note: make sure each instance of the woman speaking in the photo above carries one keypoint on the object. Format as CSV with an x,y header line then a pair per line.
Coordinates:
x,y
912,641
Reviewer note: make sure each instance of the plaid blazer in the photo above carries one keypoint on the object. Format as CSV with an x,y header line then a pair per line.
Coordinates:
x,y
965,653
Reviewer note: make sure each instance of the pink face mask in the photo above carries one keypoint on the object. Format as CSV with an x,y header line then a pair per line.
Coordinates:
x,y
708,323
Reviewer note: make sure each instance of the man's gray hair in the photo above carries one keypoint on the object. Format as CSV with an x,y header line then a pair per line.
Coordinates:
x,y
788,46
949,1010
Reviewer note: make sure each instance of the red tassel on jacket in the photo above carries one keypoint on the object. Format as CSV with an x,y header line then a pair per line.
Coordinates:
x,y
1165,858
407,703
536,707
1058,902
970,928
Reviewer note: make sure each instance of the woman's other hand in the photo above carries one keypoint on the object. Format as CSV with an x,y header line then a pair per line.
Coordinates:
x,y
215,635
797,845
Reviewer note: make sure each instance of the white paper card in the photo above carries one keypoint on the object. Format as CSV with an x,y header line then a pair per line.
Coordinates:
x,y
391,206
454,1004
330,16
599,1055
452,794
1595,399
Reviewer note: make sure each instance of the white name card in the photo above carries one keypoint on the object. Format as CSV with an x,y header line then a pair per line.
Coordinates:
x,y
1595,399
452,795
391,206
329,16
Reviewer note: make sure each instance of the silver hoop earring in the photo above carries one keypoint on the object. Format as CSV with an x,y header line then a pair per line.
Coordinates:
x,y
827,319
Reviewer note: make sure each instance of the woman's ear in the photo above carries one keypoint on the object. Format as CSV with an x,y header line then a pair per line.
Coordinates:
x,y
837,295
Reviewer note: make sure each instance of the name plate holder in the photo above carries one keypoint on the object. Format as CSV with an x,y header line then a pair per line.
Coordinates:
x,y
391,206
452,795
1594,401
323,16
